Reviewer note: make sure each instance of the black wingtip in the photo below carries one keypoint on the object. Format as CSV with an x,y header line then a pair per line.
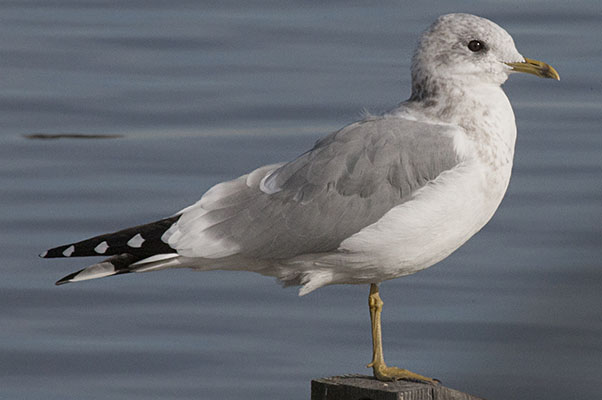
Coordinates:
x,y
66,279
142,241
59,252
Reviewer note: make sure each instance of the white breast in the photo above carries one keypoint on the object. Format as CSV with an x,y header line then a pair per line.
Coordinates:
x,y
440,218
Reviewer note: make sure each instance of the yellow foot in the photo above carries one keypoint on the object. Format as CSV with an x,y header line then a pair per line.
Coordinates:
x,y
384,373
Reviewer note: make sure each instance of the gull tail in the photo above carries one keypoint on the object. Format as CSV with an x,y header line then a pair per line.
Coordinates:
x,y
112,266
121,264
131,250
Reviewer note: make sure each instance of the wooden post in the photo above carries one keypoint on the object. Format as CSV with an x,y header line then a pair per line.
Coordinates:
x,y
362,387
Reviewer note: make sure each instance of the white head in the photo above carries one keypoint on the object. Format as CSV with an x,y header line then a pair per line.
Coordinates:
x,y
466,49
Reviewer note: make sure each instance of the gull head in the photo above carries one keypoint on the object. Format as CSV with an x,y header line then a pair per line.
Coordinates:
x,y
466,50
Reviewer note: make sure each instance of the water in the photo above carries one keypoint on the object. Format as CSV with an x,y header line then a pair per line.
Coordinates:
x,y
205,91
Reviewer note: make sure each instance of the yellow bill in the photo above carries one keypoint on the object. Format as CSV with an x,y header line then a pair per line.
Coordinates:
x,y
535,67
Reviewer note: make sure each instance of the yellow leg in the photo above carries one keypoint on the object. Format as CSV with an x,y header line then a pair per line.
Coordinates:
x,y
381,371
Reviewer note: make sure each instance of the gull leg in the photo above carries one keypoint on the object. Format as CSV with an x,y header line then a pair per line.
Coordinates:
x,y
381,371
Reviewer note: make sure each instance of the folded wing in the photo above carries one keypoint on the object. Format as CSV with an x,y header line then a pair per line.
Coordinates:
x,y
348,181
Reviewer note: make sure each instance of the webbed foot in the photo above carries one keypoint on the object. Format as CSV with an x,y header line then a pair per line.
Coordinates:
x,y
382,372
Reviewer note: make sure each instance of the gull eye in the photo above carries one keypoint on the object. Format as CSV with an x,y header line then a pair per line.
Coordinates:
x,y
475,45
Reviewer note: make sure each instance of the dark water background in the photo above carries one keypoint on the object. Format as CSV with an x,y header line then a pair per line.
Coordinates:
x,y
205,91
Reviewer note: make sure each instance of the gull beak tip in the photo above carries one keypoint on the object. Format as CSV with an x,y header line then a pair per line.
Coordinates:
x,y
534,67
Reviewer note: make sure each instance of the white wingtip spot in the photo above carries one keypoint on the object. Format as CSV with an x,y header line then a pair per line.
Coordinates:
x,y
44,254
68,251
136,241
101,248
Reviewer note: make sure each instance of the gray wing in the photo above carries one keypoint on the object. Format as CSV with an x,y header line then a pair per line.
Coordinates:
x,y
348,181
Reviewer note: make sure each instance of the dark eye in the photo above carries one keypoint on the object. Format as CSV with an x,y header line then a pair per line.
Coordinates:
x,y
476,45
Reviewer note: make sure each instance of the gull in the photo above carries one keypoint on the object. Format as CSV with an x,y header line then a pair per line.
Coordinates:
x,y
381,198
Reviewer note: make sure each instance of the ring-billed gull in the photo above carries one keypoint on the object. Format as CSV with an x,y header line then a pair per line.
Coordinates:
x,y
381,198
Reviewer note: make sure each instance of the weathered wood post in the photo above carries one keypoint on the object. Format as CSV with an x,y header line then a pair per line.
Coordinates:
x,y
362,387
